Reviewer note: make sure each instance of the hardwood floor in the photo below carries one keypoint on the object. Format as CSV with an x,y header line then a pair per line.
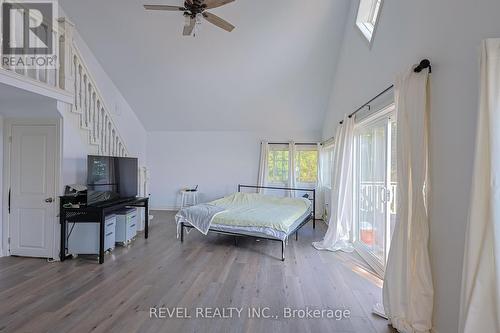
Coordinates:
x,y
204,271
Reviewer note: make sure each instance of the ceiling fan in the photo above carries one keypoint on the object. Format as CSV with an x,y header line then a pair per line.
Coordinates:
x,y
195,11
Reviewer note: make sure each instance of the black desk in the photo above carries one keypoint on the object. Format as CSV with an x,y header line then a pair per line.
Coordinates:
x,y
96,214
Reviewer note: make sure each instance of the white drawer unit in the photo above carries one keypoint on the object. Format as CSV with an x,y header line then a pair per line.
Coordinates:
x,y
126,225
84,237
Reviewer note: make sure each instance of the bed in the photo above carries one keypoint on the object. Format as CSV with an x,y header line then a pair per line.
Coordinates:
x,y
259,216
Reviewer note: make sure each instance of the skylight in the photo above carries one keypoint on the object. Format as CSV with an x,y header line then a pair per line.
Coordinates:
x,y
368,14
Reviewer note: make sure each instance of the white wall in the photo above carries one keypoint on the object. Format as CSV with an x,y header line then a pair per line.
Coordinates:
x,y
1,186
448,32
216,161
74,148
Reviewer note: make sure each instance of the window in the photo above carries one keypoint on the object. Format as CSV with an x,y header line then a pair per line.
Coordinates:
x,y
375,187
278,164
306,164
327,165
368,14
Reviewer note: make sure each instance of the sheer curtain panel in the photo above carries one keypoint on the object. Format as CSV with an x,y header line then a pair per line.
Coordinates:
x,y
263,165
292,169
338,235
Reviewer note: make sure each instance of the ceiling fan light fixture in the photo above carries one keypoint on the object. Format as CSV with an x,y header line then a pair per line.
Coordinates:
x,y
187,20
195,13
199,18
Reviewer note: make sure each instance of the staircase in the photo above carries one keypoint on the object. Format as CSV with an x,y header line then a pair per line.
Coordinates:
x,y
82,98
95,118
74,77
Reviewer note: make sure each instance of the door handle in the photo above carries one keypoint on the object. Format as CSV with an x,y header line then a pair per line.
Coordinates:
x,y
383,194
49,200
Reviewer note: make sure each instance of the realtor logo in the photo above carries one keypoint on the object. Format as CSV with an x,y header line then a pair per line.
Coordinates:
x,y
28,33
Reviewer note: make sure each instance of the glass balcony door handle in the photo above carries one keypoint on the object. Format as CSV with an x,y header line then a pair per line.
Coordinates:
x,y
383,194
386,194
49,200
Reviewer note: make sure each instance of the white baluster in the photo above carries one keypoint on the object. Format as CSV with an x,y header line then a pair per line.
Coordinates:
x,y
91,111
109,138
101,130
97,120
89,107
93,117
115,141
112,141
103,136
113,147
86,104
60,60
80,79
75,77
106,131
80,108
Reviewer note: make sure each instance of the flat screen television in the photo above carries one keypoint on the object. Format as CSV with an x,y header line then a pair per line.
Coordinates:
x,y
111,178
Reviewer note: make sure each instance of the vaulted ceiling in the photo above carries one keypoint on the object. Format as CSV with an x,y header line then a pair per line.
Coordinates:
x,y
275,69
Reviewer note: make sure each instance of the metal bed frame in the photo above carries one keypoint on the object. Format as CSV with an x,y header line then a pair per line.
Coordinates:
x,y
283,242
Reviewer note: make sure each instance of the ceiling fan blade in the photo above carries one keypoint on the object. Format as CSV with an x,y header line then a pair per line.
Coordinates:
x,y
188,29
216,20
216,3
164,7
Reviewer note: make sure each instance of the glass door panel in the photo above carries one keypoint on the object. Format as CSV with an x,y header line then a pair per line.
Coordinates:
x,y
371,189
375,185
392,182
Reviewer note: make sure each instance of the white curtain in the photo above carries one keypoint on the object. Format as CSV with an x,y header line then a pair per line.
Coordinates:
x,y
480,304
320,187
292,172
263,166
408,290
338,235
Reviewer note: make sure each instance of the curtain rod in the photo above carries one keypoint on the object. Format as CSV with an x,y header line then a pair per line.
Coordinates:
x,y
296,143
425,63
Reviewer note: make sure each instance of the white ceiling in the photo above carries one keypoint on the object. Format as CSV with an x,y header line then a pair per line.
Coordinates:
x,y
274,69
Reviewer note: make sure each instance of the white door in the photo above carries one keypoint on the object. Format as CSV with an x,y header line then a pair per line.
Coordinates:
x,y
32,190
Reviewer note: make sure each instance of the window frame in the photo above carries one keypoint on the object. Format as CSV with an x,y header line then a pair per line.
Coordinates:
x,y
368,13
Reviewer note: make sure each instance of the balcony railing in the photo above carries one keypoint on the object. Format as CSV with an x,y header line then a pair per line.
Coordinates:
x,y
373,196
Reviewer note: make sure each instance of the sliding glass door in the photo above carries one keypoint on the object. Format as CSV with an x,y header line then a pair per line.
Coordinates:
x,y
375,185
